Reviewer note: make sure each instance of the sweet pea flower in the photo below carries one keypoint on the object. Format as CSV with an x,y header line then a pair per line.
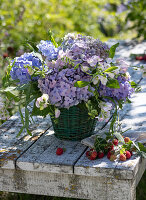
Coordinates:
x,y
42,101
57,112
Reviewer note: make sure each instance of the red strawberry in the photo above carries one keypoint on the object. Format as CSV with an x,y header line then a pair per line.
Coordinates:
x,y
128,154
131,152
144,58
87,153
100,155
122,157
115,142
59,151
139,57
111,148
93,155
91,150
109,155
113,157
126,139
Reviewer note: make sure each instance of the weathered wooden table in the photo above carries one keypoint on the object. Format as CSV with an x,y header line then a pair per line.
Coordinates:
x,y
30,164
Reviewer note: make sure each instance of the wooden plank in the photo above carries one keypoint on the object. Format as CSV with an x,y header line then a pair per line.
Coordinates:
x,y
66,185
42,155
12,147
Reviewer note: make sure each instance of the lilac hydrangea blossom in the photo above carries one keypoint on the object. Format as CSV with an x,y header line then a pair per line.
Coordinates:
x,y
121,93
59,86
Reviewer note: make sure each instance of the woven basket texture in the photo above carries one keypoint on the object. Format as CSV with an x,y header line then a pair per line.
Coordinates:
x,y
73,124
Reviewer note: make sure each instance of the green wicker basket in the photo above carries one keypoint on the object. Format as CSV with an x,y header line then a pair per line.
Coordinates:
x,y
73,124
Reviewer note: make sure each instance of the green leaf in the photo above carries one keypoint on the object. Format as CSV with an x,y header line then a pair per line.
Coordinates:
x,y
128,100
119,136
30,47
112,50
36,111
81,84
122,151
8,89
28,132
51,38
26,118
137,147
21,115
143,154
20,131
22,87
113,83
120,104
110,69
133,84
141,147
77,66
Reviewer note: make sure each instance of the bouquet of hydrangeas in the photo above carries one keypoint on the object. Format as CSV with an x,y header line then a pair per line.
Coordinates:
x,y
80,72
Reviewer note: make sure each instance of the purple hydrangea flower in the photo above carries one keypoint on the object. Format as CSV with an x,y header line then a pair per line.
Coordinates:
x,y
121,93
59,85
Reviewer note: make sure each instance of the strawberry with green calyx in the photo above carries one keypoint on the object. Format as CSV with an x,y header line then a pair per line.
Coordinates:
x,y
93,155
100,154
127,139
128,154
87,154
109,155
110,148
122,157
115,142
59,151
113,157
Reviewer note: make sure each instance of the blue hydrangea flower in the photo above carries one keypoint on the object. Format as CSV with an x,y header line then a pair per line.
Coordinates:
x,y
20,71
48,49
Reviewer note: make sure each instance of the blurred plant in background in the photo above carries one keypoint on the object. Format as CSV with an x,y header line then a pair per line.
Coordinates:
x,y
137,15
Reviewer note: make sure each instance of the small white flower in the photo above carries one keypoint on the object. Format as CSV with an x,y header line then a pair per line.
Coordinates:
x,y
128,75
45,97
84,68
57,112
123,65
95,80
111,75
93,60
103,79
109,60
